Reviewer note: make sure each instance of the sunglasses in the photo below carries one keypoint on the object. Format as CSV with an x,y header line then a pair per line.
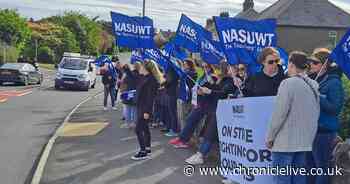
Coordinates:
x,y
241,69
270,62
315,62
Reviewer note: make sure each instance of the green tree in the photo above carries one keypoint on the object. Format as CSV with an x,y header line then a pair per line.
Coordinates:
x,y
13,28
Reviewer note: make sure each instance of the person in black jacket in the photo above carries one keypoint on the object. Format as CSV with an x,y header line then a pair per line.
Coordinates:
x,y
203,105
223,89
266,82
171,86
109,83
146,90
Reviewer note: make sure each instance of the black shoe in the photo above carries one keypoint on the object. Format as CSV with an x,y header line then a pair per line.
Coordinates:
x,y
148,151
140,156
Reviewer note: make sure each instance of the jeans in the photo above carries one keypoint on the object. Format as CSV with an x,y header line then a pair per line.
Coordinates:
x,y
143,133
183,110
291,159
172,114
109,91
130,113
192,121
211,134
322,154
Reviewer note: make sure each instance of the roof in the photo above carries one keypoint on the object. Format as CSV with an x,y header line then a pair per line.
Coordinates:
x,y
250,14
310,13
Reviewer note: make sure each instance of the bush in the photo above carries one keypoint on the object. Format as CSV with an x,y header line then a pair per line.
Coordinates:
x,y
46,55
10,55
345,115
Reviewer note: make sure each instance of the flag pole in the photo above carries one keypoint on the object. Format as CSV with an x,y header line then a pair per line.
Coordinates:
x,y
144,8
322,68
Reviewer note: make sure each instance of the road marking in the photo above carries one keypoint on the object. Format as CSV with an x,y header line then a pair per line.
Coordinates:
x,y
128,138
3,99
44,157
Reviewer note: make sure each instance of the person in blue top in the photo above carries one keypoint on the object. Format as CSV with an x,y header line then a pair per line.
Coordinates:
x,y
331,104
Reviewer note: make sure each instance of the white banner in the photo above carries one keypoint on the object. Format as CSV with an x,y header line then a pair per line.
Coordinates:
x,y
242,125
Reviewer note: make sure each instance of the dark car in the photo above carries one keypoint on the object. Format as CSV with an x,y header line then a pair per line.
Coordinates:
x,y
20,73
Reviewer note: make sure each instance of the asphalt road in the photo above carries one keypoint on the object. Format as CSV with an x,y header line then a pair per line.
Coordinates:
x,y
27,122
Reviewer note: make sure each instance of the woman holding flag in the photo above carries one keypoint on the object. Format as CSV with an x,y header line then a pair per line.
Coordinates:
x,y
331,101
149,81
225,87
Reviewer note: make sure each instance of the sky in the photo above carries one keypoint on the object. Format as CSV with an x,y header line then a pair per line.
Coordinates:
x,y
165,13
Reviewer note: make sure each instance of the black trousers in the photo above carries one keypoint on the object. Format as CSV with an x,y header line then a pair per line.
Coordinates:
x,y
143,133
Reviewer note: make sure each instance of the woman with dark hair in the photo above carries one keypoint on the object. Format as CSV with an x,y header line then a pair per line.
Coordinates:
x,y
223,89
331,101
146,90
293,125
266,82
203,104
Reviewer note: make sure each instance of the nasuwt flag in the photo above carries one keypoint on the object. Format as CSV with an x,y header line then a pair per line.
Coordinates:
x,y
242,40
341,54
188,34
105,60
136,56
211,51
172,50
100,61
133,32
157,56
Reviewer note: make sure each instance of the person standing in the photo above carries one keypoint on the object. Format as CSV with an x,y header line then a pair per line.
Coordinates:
x,y
293,125
331,101
129,83
146,90
109,82
266,82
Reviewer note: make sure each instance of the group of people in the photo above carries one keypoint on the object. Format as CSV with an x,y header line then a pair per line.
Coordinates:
x,y
303,126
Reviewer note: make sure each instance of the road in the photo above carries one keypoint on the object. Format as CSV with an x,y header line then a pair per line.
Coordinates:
x,y
27,122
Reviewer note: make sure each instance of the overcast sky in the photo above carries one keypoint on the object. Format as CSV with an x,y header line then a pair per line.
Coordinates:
x,y
165,13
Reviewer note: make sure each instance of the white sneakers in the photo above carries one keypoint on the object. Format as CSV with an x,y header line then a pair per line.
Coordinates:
x,y
196,159
114,108
105,108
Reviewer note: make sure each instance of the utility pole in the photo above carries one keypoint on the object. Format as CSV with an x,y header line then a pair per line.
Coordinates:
x,y
144,8
4,61
36,49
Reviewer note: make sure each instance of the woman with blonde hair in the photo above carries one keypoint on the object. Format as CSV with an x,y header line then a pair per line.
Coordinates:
x,y
149,81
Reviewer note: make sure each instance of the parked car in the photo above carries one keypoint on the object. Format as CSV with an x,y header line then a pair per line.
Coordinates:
x,y
20,73
75,72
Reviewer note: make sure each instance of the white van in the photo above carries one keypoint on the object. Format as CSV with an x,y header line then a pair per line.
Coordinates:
x,y
76,72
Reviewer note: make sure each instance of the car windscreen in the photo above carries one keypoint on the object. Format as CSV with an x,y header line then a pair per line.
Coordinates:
x,y
73,64
12,66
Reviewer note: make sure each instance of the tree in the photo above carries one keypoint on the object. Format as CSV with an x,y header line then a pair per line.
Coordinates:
x,y
13,29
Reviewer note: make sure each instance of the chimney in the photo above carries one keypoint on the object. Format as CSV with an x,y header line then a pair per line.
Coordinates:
x,y
248,4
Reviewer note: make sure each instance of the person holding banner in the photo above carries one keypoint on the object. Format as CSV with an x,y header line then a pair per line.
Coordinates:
x,y
145,93
203,105
266,82
222,90
331,101
292,128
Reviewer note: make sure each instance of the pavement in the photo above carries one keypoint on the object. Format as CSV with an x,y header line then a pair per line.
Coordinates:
x,y
105,158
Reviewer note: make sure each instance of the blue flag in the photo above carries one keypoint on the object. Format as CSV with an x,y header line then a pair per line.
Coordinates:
x,y
157,56
188,34
341,54
242,40
136,56
133,32
211,51
170,49
100,61
184,90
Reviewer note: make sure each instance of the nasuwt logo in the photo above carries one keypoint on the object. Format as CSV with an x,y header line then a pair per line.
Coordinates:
x,y
247,37
346,46
132,28
188,31
238,109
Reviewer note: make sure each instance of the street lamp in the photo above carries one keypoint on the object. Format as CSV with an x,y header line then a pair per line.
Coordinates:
x,y
144,8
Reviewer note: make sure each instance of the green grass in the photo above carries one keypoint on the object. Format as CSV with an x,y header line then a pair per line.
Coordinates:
x,y
47,66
